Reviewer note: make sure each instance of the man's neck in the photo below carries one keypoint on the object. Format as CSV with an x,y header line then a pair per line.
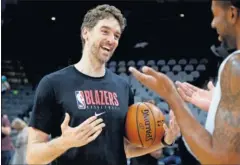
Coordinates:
x,y
238,36
238,42
90,66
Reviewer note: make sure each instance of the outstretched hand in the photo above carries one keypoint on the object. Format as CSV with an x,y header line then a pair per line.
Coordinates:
x,y
196,96
156,81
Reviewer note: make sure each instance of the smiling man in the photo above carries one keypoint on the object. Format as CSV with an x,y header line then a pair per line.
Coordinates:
x,y
83,107
219,142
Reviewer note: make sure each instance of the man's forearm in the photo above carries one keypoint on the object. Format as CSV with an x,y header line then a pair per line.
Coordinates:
x,y
45,153
197,137
133,151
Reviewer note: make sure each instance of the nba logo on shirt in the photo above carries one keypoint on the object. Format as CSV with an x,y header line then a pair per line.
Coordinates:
x,y
80,100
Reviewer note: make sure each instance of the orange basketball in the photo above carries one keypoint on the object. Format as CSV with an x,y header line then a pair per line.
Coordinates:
x,y
144,124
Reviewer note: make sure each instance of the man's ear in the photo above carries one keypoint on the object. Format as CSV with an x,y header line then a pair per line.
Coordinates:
x,y
234,14
85,34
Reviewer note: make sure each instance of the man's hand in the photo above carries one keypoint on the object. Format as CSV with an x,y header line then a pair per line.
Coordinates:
x,y
83,134
196,96
173,131
151,78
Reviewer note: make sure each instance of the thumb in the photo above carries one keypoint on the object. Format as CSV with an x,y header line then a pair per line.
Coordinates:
x,y
149,71
165,127
66,121
210,85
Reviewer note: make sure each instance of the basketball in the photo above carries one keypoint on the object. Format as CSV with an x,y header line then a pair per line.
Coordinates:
x,y
144,124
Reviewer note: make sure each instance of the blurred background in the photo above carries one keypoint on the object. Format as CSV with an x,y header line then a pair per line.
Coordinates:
x,y
172,36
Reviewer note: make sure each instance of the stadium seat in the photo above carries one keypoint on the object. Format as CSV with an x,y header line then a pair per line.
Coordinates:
x,y
201,67
203,61
188,68
155,68
189,78
122,69
151,63
131,63
165,69
112,63
182,76
171,62
177,68
161,63
182,62
170,75
121,63
140,63
113,68
193,61
195,74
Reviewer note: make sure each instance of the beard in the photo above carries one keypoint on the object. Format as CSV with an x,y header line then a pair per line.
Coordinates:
x,y
228,38
228,42
99,55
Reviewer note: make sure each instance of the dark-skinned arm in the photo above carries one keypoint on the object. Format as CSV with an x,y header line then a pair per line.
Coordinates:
x,y
223,147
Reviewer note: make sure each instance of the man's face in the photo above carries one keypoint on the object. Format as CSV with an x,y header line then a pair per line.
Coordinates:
x,y
224,24
103,38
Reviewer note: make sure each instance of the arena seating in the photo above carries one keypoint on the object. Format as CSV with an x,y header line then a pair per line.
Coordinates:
x,y
21,94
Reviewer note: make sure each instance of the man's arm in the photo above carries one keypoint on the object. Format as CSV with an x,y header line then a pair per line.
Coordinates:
x,y
133,151
42,151
223,147
44,120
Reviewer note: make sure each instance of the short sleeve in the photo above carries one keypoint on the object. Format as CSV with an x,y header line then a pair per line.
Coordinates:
x,y
43,107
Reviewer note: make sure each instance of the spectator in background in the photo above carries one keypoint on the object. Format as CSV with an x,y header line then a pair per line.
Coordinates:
x,y
7,146
5,84
21,142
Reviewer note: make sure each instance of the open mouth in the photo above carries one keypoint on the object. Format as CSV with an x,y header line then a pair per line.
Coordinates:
x,y
105,48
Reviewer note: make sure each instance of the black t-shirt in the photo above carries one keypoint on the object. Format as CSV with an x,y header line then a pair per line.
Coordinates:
x,y
68,90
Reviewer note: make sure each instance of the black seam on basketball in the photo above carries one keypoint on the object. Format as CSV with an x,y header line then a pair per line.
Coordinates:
x,y
153,124
137,125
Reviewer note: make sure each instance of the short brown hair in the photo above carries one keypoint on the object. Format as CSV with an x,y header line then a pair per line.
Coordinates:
x,y
101,12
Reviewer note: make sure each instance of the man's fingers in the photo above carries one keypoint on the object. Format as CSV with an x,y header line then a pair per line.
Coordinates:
x,y
138,75
188,91
66,121
165,127
183,95
192,87
151,101
210,85
94,136
86,122
94,129
149,71
171,124
88,127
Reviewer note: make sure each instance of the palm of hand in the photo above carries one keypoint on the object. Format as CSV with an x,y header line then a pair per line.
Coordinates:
x,y
159,83
173,130
202,94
